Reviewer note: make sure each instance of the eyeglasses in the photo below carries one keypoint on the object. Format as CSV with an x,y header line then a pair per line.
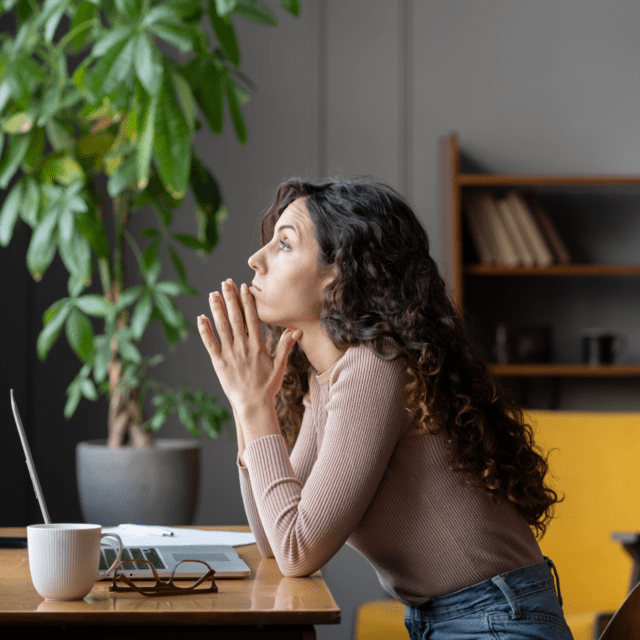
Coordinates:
x,y
162,587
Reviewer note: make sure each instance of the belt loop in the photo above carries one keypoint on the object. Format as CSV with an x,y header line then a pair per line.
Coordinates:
x,y
509,595
557,577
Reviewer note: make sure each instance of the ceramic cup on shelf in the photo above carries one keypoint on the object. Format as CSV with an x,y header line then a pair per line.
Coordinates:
x,y
64,559
601,346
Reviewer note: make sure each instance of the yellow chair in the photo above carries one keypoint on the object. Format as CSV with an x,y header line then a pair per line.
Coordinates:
x,y
595,462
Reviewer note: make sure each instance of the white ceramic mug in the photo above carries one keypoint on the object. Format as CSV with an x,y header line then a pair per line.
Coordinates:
x,y
64,558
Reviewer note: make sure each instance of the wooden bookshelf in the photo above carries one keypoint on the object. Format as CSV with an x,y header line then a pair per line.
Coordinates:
x,y
459,273
567,370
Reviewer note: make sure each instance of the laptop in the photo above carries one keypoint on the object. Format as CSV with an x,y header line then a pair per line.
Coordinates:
x,y
223,559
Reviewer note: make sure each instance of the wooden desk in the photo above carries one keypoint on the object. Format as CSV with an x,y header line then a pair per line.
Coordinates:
x,y
266,605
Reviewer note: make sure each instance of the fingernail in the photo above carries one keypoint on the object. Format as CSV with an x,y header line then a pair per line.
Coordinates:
x,y
244,288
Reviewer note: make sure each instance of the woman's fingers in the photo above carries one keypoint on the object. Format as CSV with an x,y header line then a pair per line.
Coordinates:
x,y
238,297
220,318
208,337
250,314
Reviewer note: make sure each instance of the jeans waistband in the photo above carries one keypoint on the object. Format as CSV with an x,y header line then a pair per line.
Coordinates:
x,y
519,582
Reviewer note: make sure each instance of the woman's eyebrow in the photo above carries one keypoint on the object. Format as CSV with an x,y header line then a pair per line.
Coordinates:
x,y
286,226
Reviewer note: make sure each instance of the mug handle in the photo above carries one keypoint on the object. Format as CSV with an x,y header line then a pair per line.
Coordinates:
x,y
115,562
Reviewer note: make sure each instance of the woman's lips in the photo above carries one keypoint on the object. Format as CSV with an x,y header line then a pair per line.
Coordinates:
x,y
253,288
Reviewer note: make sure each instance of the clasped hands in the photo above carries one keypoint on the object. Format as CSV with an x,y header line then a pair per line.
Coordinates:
x,y
248,374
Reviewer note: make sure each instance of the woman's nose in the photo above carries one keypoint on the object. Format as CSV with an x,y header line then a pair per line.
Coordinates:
x,y
253,260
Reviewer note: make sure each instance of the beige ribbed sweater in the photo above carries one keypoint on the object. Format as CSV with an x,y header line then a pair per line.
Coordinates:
x,y
359,474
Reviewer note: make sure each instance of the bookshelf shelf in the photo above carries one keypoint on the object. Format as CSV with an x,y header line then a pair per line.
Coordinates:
x,y
555,270
566,370
541,180
472,280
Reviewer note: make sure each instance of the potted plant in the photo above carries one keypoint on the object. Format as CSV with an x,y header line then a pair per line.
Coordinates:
x,y
99,104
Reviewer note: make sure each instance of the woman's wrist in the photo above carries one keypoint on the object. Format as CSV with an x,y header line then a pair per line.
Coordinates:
x,y
258,419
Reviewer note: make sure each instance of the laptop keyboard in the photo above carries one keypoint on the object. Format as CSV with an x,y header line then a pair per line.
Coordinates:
x,y
108,556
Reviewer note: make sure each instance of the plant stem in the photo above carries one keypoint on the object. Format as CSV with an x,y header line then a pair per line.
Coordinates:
x,y
125,412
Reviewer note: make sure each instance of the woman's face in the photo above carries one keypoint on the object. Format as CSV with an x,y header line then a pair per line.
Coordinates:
x,y
287,285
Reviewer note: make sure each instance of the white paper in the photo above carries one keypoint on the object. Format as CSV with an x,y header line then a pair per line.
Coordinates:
x,y
181,537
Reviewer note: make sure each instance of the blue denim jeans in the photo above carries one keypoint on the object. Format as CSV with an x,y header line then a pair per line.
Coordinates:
x,y
518,605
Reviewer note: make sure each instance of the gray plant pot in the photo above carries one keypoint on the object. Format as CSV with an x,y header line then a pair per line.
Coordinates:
x,y
152,485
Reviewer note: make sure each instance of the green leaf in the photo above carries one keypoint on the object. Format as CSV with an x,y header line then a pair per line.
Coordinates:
x,y
19,123
75,394
210,425
292,6
63,169
16,150
123,176
180,37
53,327
187,420
75,285
141,316
53,22
206,83
93,230
74,247
190,242
113,68
84,16
53,310
185,99
95,305
175,288
236,113
88,389
162,13
80,335
43,245
168,310
145,144
159,418
172,143
255,11
207,194
10,212
111,39
129,296
225,34
225,7
35,151
102,351
178,265
60,136
128,351
148,64
30,204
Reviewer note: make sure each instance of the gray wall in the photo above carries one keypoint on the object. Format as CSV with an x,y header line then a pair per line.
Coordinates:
x,y
368,87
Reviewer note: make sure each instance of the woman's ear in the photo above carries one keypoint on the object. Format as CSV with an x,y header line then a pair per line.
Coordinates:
x,y
331,274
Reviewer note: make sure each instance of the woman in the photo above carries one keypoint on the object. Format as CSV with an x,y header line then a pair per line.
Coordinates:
x,y
401,443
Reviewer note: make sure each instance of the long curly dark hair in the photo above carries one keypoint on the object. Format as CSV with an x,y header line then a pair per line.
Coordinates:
x,y
388,289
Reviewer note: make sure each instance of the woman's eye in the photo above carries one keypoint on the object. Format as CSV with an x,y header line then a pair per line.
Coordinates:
x,y
285,245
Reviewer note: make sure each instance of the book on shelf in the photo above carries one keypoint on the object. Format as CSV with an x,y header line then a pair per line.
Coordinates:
x,y
556,243
522,250
530,231
477,222
513,230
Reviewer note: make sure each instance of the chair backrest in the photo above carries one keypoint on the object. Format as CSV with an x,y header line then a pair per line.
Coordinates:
x,y
625,624
595,462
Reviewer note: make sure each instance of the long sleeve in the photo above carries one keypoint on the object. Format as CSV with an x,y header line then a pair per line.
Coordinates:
x,y
307,523
302,458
